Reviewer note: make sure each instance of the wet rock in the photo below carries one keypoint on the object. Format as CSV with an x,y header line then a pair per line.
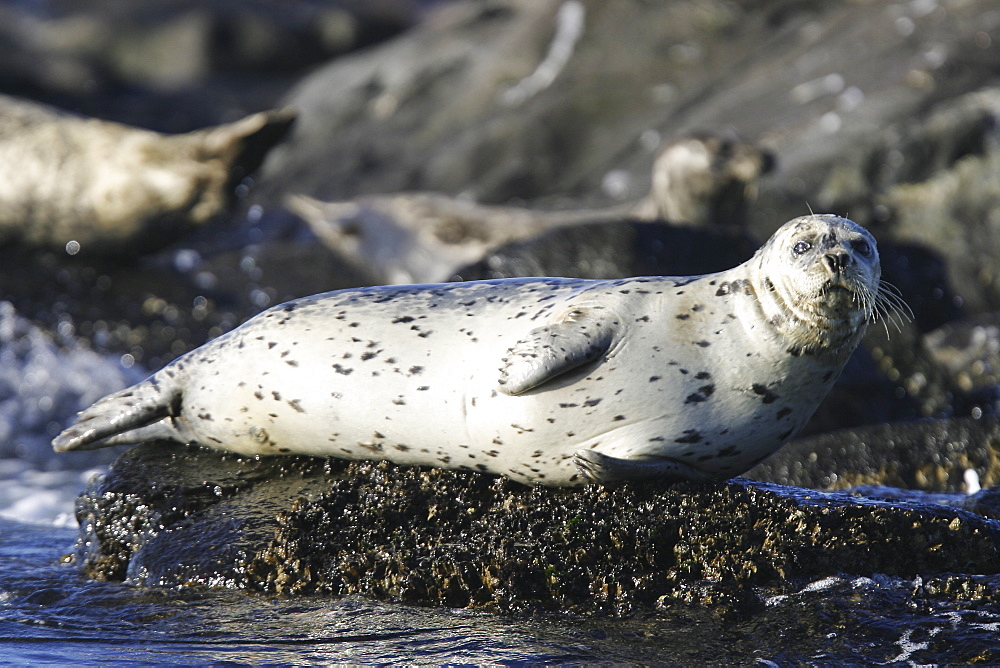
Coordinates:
x,y
167,489
170,515
928,455
159,307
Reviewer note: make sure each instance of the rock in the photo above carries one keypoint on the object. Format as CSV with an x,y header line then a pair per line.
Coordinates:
x,y
956,212
170,515
172,65
617,249
101,188
969,350
162,306
433,109
927,455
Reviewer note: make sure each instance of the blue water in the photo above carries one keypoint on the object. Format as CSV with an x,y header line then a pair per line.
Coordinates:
x,y
50,614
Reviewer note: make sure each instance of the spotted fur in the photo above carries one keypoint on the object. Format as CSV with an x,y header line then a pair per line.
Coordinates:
x,y
546,380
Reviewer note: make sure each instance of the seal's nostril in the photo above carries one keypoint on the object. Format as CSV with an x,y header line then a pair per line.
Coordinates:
x,y
836,261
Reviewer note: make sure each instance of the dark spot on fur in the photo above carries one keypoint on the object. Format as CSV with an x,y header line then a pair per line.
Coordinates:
x,y
591,402
783,412
653,379
297,405
703,344
403,319
703,393
618,418
690,436
767,396
342,370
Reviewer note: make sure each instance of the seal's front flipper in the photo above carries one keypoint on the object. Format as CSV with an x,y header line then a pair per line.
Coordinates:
x,y
601,468
582,336
134,415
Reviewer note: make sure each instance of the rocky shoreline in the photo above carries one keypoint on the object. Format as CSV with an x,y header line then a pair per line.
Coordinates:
x,y
169,515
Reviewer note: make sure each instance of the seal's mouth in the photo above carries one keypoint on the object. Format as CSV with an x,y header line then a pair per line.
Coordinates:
x,y
838,294
833,288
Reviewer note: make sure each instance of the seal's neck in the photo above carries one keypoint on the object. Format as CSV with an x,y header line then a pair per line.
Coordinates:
x,y
821,324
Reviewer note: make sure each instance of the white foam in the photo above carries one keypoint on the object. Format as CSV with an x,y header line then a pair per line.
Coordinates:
x,y
43,384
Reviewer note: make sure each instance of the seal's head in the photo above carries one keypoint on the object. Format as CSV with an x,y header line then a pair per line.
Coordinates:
x,y
818,279
707,179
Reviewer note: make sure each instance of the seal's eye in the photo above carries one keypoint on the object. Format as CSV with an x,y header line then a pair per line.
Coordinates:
x,y
801,247
862,247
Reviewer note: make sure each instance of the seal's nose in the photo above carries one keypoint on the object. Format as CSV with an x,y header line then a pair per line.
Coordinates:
x,y
837,261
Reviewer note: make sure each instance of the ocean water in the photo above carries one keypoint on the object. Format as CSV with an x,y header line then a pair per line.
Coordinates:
x,y
49,613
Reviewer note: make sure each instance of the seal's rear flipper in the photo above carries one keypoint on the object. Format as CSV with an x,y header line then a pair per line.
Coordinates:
x,y
134,415
601,468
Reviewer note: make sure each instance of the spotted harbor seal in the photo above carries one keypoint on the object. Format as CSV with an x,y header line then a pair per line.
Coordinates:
x,y
550,381
698,180
103,188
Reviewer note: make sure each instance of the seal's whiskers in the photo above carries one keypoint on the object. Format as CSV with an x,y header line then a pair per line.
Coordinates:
x,y
889,307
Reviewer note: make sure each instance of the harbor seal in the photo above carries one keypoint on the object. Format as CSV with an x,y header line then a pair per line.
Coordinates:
x,y
416,237
106,188
545,380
